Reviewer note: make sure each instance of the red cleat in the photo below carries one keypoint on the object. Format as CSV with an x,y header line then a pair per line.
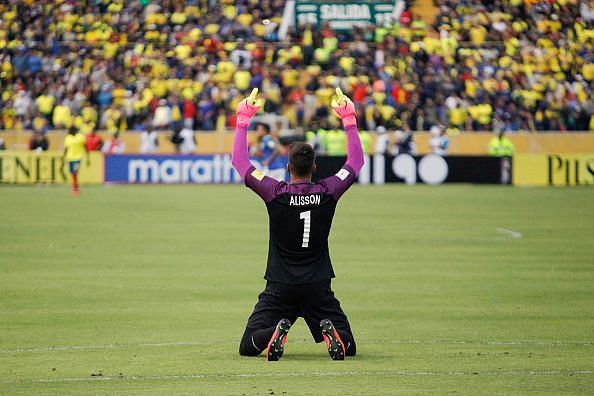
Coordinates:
x,y
276,345
332,338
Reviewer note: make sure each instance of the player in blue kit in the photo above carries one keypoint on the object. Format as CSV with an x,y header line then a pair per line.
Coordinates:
x,y
299,269
268,152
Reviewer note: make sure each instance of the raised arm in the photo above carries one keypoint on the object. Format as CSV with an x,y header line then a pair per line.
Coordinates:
x,y
246,109
261,184
339,183
345,109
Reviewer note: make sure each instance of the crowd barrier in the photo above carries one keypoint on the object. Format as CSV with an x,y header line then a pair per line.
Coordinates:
x,y
467,143
378,169
26,167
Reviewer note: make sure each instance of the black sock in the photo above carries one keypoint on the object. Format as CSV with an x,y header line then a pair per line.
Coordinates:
x,y
254,342
261,337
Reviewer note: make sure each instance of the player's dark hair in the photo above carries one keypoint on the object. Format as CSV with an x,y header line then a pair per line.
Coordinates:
x,y
301,158
265,126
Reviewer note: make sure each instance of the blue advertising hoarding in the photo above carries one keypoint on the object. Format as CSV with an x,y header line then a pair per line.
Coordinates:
x,y
378,169
171,169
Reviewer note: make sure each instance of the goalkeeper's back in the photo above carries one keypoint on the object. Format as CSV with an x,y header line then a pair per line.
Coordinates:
x,y
301,212
300,217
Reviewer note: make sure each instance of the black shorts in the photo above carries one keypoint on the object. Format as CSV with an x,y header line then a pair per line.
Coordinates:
x,y
312,302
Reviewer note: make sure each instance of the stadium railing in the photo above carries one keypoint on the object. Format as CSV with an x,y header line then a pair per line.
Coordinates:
x,y
468,143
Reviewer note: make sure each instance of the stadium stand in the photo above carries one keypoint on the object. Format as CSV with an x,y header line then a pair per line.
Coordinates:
x,y
122,65
517,65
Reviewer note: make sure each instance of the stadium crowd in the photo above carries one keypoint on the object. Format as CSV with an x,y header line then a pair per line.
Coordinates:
x,y
121,64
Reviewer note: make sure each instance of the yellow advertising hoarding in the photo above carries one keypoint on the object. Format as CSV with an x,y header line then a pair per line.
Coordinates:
x,y
553,169
26,167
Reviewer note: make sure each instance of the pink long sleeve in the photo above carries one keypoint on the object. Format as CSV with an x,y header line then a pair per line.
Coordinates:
x,y
354,149
240,158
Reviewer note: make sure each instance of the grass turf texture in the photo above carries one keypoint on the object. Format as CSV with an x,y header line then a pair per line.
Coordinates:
x,y
147,289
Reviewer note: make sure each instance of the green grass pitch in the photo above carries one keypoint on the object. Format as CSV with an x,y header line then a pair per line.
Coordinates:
x,y
147,289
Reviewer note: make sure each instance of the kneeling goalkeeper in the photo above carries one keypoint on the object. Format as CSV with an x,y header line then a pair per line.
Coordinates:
x,y
299,269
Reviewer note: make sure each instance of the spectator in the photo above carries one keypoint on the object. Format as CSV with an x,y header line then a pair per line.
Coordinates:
x,y
381,141
335,143
188,141
405,143
94,141
162,119
242,78
62,116
105,96
45,104
149,141
38,142
176,113
177,139
240,56
206,112
526,64
38,123
501,146
439,141
189,112
114,145
22,104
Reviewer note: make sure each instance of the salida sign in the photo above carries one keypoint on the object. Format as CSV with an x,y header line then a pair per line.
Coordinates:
x,y
343,15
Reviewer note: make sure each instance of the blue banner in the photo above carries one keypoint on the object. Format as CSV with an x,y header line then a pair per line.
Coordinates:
x,y
200,169
171,169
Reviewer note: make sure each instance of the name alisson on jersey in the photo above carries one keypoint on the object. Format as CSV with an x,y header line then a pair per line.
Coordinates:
x,y
305,200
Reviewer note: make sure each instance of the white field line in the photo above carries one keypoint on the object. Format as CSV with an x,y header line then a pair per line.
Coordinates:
x,y
112,346
362,341
511,233
511,343
400,373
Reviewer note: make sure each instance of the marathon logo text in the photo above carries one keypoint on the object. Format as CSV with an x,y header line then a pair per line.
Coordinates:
x,y
169,169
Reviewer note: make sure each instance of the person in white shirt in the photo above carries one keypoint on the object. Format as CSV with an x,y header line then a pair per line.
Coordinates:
x,y
22,103
188,145
438,142
381,141
405,142
114,145
162,118
239,56
149,141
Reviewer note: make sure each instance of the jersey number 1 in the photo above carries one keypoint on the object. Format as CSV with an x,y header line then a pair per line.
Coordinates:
x,y
306,217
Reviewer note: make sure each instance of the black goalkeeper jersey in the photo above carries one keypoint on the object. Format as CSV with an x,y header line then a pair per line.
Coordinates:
x,y
300,218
